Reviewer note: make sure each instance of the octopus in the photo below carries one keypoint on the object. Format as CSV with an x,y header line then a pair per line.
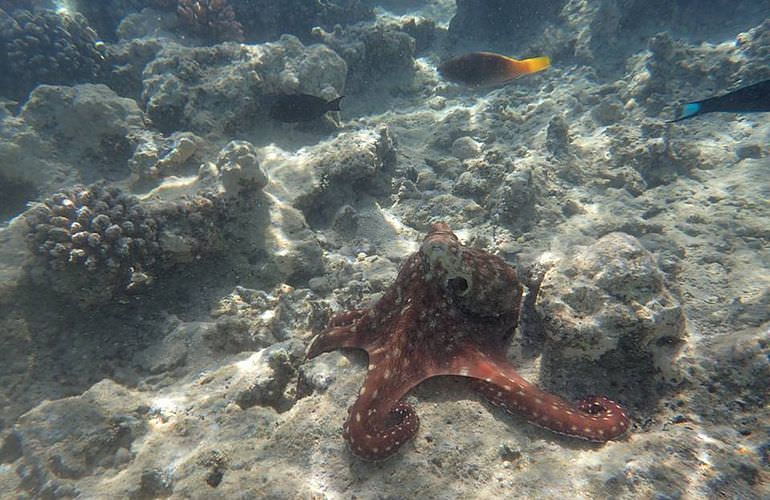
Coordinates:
x,y
451,311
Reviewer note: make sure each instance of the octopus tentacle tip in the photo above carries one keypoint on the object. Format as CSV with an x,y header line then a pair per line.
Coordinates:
x,y
450,311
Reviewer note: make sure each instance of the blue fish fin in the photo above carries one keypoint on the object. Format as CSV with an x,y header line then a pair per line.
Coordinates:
x,y
688,111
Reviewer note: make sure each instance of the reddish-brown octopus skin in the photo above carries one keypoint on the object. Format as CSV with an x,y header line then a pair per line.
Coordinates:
x,y
451,311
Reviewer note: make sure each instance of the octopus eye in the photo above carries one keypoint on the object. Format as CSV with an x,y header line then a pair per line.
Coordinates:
x,y
457,285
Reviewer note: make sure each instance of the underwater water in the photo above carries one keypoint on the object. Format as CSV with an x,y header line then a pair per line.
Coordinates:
x,y
439,249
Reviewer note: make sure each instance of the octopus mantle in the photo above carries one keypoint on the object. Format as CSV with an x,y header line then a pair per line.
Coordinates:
x,y
451,311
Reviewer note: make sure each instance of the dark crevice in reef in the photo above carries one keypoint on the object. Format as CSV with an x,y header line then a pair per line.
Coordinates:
x,y
14,196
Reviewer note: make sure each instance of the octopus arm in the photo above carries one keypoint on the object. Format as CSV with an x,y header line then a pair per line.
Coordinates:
x,y
344,331
380,421
595,418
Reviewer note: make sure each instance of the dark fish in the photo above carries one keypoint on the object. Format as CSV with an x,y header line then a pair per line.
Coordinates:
x,y
292,108
487,68
752,99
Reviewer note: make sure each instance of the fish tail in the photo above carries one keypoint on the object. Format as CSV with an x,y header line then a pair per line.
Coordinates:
x,y
688,111
532,65
334,104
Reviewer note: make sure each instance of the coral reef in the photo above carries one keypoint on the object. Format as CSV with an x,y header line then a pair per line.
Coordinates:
x,y
68,439
153,24
373,52
269,383
505,191
490,20
192,226
88,125
98,243
654,158
239,169
156,156
249,320
216,90
465,148
265,20
593,32
221,20
107,15
605,297
64,135
654,234
210,19
94,238
254,320
124,64
675,67
44,46
336,172
68,135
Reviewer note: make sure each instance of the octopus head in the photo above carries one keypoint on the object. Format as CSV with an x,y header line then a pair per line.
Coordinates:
x,y
476,282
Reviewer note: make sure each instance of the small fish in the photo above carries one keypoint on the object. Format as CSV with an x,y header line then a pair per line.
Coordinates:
x,y
487,68
752,99
293,108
